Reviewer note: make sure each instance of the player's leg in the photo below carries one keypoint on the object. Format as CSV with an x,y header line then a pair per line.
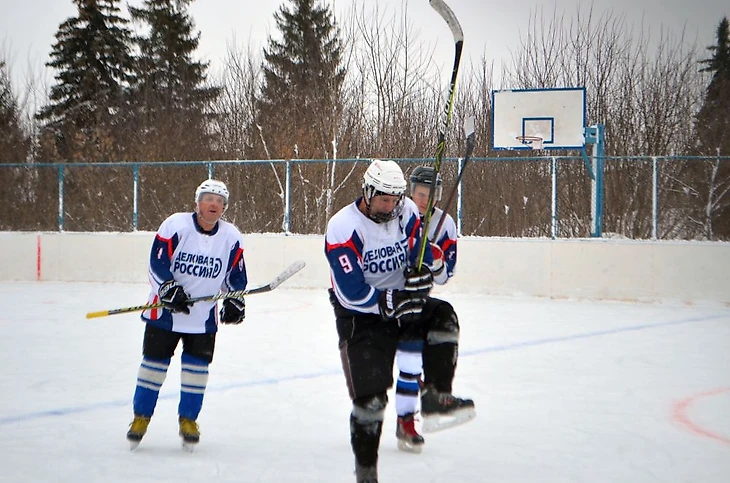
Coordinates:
x,y
367,350
440,409
158,347
407,387
197,355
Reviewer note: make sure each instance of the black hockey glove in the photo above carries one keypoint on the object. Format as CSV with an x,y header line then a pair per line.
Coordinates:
x,y
401,305
233,310
419,283
174,297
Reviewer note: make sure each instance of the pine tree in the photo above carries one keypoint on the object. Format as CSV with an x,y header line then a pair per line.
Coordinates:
x,y
14,143
170,88
713,120
713,133
92,59
298,112
299,105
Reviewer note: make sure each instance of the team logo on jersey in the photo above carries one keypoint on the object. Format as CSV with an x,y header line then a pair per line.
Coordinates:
x,y
386,259
197,265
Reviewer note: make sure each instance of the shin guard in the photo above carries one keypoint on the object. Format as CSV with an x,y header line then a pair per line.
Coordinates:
x,y
151,376
193,380
366,425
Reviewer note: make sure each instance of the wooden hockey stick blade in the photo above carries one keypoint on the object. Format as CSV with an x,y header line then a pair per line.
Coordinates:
x,y
278,280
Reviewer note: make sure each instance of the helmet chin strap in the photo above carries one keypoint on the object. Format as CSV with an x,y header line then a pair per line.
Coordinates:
x,y
375,217
379,217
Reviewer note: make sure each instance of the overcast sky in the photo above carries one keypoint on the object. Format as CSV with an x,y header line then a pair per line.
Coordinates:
x,y
27,27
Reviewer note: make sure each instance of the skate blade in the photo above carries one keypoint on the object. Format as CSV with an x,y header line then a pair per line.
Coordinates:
x,y
409,447
133,445
189,447
436,422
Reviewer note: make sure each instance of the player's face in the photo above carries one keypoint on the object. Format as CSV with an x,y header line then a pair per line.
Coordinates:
x,y
419,194
210,208
383,204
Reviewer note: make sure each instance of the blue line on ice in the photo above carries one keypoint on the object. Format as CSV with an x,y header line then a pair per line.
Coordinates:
x,y
586,335
262,382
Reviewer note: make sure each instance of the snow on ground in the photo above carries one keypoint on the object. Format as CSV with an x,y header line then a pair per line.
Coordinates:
x,y
566,391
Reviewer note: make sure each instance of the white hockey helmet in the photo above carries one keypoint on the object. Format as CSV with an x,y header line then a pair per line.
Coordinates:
x,y
384,177
212,186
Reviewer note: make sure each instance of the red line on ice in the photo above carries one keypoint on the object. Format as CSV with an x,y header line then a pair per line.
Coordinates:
x,y
679,415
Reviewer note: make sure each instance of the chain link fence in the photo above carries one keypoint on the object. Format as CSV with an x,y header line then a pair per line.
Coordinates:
x,y
665,198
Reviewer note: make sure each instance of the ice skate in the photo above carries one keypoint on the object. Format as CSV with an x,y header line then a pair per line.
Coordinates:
x,y
189,433
408,438
366,474
441,410
137,430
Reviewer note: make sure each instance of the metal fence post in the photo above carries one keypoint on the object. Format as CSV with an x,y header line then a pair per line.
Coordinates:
x,y
554,198
287,198
654,197
60,197
135,196
459,199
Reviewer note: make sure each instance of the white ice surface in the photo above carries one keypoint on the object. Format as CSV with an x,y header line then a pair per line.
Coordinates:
x,y
566,391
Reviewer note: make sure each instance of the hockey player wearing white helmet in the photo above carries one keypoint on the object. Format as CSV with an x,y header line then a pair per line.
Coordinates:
x,y
371,246
211,201
193,255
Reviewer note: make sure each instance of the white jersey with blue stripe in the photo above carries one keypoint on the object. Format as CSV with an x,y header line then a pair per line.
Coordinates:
x,y
445,238
204,263
366,258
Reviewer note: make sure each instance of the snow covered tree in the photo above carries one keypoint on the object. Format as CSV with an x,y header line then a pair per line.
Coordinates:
x,y
173,101
92,60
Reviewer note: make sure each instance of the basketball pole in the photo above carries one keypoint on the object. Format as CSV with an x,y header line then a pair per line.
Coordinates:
x,y
594,135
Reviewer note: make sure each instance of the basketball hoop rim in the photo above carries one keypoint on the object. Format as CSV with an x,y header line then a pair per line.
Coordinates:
x,y
531,139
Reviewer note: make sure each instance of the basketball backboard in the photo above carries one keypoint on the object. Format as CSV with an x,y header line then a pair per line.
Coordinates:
x,y
557,116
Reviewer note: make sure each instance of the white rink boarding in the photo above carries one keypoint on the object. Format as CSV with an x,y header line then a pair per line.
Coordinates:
x,y
602,269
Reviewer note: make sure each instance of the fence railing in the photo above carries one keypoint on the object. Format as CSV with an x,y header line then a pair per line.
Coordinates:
x,y
648,197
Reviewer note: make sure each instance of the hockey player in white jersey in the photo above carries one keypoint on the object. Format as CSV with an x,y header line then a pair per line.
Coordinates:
x,y
193,255
371,246
437,350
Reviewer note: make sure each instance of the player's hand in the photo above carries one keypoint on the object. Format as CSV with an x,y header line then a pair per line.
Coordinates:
x,y
419,282
173,296
233,310
401,305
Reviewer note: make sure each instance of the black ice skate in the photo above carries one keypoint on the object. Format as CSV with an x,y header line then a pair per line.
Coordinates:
x,y
441,410
408,437
366,474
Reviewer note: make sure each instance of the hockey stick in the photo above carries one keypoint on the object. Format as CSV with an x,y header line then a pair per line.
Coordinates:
x,y
290,270
448,15
469,133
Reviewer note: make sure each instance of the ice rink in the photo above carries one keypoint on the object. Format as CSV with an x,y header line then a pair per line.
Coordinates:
x,y
565,390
